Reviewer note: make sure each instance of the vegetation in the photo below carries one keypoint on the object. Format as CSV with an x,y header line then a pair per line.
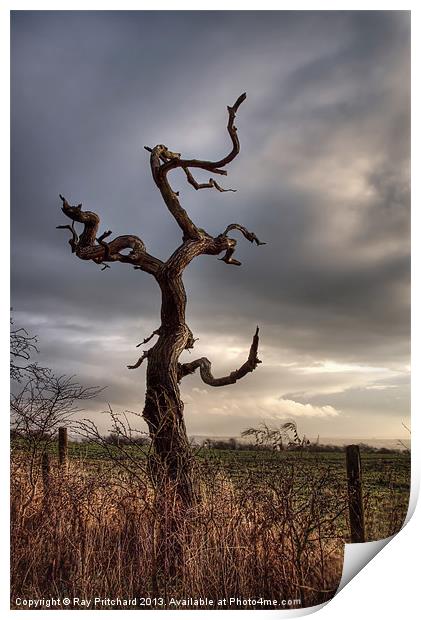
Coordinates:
x,y
269,524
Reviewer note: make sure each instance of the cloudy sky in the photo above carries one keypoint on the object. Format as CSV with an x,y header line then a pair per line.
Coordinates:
x,y
322,177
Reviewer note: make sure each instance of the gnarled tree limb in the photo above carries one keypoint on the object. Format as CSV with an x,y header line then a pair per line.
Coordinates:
x,y
211,183
86,247
213,166
139,361
206,371
170,197
250,236
75,239
171,160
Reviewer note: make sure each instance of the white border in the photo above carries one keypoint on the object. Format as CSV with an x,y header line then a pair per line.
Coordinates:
x,y
388,586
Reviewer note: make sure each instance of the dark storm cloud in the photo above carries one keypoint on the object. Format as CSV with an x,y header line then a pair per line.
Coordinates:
x,y
323,177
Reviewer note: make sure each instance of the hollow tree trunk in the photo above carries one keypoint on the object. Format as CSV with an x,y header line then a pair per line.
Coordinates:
x,y
171,459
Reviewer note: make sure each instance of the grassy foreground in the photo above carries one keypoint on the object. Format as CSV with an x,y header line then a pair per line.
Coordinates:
x,y
268,533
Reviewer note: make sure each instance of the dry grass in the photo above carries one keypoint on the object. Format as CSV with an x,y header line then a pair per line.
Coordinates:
x,y
99,531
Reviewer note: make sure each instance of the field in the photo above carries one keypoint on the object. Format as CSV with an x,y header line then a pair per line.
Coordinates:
x,y
269,524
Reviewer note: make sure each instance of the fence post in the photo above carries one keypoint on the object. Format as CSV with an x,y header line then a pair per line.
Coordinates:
x,y
62,445
355,495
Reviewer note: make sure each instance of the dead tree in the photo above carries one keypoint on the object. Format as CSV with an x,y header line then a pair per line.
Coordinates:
x,y
171,458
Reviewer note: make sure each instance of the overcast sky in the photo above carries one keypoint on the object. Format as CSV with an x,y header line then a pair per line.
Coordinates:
x,y
322,177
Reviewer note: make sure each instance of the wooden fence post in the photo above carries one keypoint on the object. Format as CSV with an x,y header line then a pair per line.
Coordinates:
x,y
355,495
62,445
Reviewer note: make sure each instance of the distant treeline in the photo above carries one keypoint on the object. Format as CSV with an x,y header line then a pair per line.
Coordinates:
x,y
235,444
115,439
112,439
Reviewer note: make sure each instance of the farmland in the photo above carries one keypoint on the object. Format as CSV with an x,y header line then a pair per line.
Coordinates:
x,y
269,524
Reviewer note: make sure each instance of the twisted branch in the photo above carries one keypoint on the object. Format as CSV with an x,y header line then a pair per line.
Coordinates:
x,y
88,247
75,238
162,160
205,367
139,361
211,183
161,153
213,166
250,236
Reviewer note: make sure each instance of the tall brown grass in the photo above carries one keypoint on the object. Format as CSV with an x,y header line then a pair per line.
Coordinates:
x,y
96,530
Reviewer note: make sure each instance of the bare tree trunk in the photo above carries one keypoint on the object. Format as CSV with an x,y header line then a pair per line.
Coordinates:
x,y
171,460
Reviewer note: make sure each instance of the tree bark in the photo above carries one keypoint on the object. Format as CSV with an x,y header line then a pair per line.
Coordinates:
x,y
171,459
